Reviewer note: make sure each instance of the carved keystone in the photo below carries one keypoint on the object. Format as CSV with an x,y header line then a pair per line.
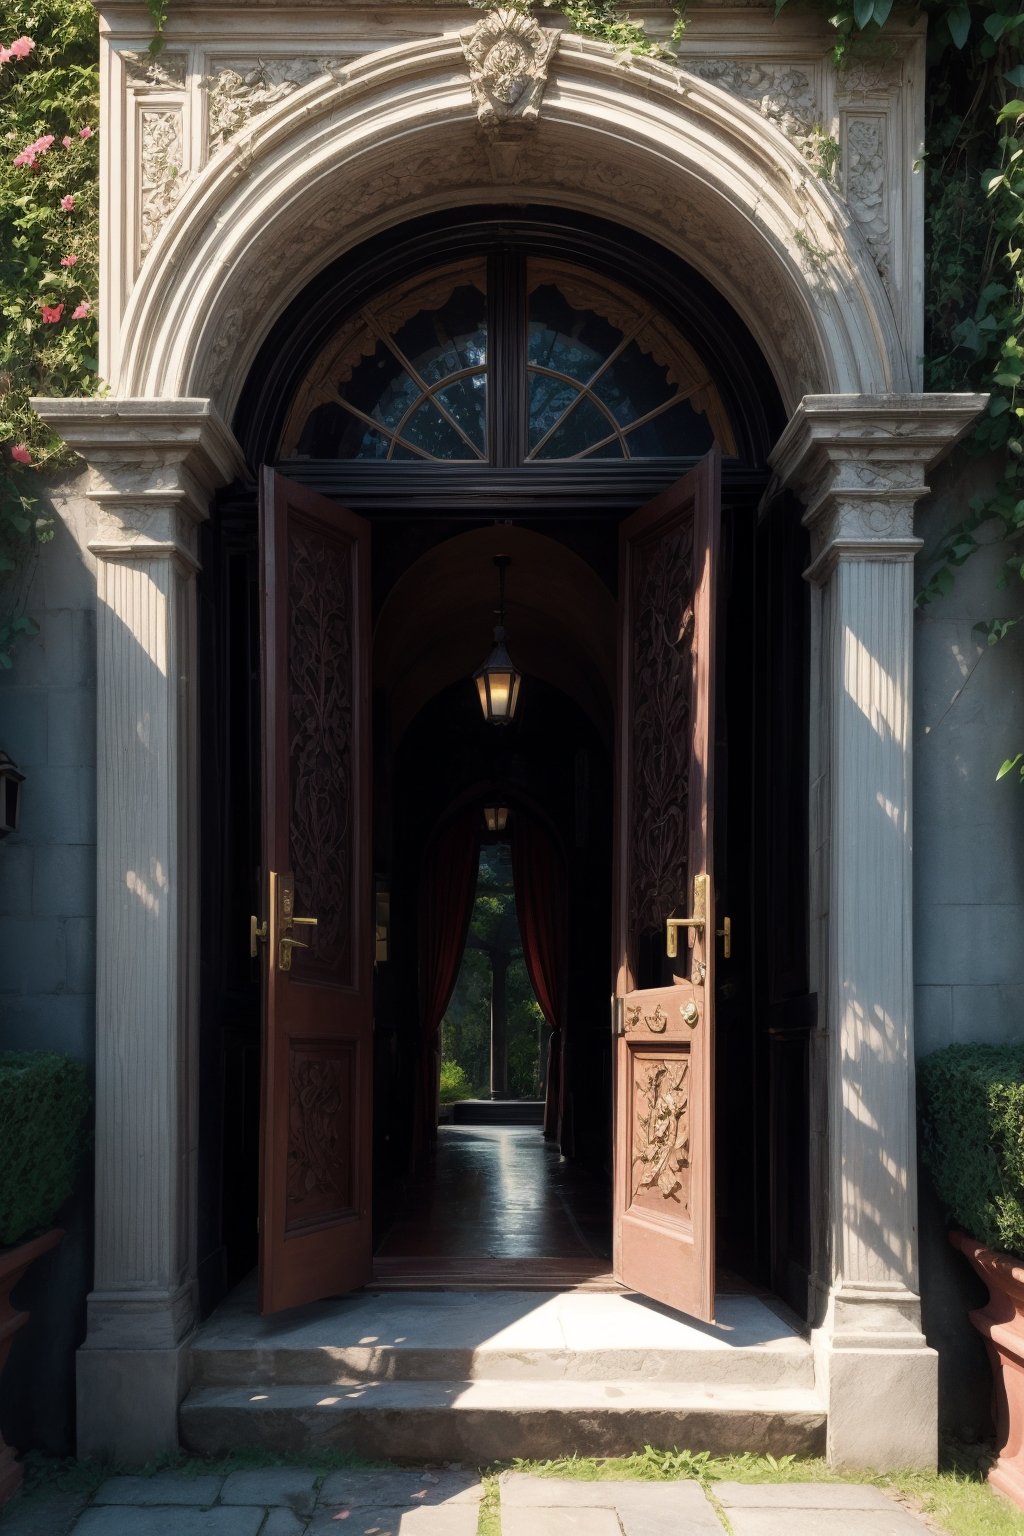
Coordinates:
x,y
508,56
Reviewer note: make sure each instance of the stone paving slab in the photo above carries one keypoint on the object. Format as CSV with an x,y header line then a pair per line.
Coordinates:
x,y
292,1487
561,1521
163,1488
442,1520
412,1490
780,1521
801,1496
171,1520
283,1522
638,1509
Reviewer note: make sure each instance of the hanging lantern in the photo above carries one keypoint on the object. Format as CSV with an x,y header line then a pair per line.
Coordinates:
x,y
495,817
498,681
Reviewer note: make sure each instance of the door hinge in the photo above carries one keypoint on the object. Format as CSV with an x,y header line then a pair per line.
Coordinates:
x,y
618,1017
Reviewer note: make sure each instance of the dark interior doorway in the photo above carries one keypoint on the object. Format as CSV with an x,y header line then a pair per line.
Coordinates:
x,y
432,750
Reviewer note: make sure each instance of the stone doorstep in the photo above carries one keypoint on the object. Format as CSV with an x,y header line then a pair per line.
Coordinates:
x,y
782,1521
485,1421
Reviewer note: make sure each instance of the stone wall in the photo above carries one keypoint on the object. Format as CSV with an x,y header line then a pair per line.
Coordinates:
x,y
968,880
47,932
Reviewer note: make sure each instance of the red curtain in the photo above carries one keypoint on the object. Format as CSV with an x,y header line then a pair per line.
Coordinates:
x,y
538,875
447,889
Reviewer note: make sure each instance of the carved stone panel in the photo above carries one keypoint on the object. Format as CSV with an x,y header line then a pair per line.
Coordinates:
x,y
661,1131
320,705
866,190
660,701
784,95
508,56
321,1128
237,90
161,169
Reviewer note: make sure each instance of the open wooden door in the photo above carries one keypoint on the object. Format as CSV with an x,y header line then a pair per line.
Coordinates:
x,y
317,1064
663,1009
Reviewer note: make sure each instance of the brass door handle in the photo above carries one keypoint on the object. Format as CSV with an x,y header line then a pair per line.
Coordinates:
x,y
725,934
257,932
310,922
698,920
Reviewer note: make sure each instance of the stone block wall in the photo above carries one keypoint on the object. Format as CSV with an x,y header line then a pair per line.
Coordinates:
x,y
47,931
968,879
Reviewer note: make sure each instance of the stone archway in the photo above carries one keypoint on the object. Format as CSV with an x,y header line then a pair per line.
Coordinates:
x,y
394,134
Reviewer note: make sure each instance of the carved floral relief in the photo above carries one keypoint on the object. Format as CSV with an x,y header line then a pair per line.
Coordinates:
x,y
660,704
320,706
162,179
661,1129
236,92
319,1134
865,161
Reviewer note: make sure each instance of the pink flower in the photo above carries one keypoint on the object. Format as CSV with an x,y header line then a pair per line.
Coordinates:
x,y
5,55
51,313
67,141
85,133
67,203
20,454
82,312
22,47
42,145
69,261
25,158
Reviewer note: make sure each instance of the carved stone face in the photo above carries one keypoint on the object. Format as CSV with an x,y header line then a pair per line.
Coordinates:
x,y
506,69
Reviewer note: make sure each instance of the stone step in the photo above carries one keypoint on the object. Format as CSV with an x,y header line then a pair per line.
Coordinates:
x,y
482,1421
501,1336
498,1112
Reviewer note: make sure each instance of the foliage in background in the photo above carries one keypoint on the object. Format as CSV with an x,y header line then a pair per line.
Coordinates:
x,y
466,1028
44,1102
49,241
455,1084
972,1120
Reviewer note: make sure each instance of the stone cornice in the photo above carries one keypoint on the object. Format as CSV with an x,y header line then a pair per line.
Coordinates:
x,y
154,464
859,463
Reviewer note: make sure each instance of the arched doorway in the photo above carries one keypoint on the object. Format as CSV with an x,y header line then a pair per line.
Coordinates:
x,y
394,135
521,398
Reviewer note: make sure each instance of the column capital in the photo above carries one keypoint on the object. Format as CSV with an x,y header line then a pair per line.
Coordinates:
x,y
859,464
154,465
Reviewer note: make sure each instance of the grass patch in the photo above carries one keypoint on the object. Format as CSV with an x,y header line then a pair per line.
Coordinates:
x,y
957,1498
489,1522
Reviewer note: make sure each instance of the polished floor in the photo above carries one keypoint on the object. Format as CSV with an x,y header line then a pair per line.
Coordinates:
x,y
497,1195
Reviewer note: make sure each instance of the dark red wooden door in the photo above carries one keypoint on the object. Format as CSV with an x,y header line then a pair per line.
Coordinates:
x,y
663,1012
318,1000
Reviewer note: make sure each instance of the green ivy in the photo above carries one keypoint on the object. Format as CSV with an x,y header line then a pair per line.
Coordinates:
x,y
49,219
601,19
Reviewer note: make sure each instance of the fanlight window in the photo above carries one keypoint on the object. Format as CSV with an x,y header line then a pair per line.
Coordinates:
x,y
607,376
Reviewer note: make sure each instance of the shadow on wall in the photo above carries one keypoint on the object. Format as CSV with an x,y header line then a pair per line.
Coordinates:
x,y
47,936
968,880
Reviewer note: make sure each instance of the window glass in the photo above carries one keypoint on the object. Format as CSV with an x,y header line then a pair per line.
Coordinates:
x,y
607,375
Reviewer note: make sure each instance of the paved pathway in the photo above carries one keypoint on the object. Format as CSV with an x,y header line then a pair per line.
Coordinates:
x,y
541,1506
287,1501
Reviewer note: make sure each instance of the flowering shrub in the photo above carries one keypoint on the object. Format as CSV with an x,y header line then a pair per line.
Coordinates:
x,y
49,216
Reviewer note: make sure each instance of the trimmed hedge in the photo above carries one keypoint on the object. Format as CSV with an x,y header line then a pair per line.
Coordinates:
x,y
44,1102
972,1120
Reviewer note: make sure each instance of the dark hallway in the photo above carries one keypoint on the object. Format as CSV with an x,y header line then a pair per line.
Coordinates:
x,y
493,1200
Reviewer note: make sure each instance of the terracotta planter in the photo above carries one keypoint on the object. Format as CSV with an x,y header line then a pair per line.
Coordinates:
x,y
1001,1324
13,1264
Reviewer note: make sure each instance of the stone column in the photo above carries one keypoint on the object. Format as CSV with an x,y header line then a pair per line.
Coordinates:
x,y
859,464
154,465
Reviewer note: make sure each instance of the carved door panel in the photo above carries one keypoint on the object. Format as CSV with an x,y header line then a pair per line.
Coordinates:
x,y
663,1007
315,1160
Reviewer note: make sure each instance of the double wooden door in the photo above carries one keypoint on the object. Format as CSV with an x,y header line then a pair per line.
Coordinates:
x,y
317,1088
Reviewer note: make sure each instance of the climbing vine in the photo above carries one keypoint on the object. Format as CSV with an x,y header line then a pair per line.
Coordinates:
x,y
49,217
